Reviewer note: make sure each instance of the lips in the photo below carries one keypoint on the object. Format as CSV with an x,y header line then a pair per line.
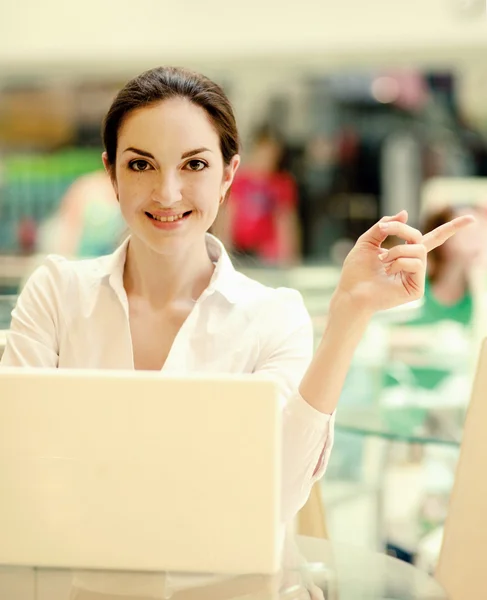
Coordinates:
x,y
168,218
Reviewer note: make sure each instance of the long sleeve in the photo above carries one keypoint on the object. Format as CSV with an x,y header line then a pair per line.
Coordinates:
x,y
307,433
33,339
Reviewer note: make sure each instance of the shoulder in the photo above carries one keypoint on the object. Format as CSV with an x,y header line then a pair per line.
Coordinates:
x,y
63,288
57,273
280,324
274,307
59,266
46,272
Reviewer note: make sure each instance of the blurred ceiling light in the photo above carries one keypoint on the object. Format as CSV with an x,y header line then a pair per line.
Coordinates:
x,y
385,89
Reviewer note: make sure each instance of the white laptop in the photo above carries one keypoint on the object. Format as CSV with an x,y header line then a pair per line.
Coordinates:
x,y
139,471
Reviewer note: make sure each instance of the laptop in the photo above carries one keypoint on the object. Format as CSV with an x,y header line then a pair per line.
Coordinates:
x,y
139,471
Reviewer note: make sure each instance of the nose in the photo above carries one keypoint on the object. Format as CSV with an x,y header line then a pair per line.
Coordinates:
x,y
167,188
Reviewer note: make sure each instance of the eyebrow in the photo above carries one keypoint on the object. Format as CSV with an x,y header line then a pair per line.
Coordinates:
x,y
137,151
193,152
184,155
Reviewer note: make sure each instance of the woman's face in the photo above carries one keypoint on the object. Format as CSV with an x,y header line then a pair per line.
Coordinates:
x,y
468,247
169,175
266,155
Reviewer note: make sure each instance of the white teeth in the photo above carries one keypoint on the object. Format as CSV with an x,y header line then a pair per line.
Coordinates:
x,y
167,219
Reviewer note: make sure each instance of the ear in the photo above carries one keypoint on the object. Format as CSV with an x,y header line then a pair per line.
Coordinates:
x,y
110,172
229,174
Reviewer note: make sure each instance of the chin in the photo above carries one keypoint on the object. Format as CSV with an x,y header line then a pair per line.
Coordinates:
x,y
172,243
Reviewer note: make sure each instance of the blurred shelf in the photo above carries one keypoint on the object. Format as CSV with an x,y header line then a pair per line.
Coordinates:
x,y
307,279
14,269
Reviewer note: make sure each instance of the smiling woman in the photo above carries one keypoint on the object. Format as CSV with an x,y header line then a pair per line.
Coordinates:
x,y
169,298
171,161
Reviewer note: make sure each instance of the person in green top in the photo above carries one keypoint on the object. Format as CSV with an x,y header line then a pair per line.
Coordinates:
x,y
88,222
447,299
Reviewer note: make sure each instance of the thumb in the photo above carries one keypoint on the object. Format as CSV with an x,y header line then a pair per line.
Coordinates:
x,y
375,235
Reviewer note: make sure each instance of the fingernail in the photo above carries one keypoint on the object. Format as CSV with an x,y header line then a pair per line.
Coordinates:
x,y
384,226
384,254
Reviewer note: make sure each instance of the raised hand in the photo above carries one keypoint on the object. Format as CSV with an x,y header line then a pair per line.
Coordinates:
x,y
378,279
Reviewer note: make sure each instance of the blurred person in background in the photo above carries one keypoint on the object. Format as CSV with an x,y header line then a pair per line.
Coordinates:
x,y
260,219
434,352
88,222
449,299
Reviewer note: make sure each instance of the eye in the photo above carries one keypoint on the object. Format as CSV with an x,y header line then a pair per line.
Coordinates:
x,y
139,165
196,165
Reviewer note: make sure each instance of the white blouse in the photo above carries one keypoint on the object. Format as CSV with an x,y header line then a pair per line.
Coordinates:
x,y
75,314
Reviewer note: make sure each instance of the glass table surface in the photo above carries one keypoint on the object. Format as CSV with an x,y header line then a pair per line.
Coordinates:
x,y
411,424
312,569
370,406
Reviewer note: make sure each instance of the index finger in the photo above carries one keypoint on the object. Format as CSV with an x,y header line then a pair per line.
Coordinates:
x,y
438,236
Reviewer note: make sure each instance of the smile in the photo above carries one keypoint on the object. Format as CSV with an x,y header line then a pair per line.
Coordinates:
x,y
170,218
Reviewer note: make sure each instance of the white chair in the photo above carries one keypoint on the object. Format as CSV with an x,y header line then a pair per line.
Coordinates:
x,y
463,561
311,521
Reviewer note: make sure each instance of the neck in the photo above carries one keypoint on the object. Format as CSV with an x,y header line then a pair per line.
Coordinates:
x,y
165,278
450,285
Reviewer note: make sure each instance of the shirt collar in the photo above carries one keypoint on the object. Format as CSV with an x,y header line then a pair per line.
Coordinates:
x,y
224,279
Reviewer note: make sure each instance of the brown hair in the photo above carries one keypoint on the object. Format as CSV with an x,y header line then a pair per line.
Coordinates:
x,y
161,84
436,257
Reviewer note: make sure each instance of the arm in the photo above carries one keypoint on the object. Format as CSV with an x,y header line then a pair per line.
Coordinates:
x,y
288,233
372,279
307,436
323,381
32,340
286,219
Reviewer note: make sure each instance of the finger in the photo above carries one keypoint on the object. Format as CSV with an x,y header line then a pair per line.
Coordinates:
x,y
375,235
401,216
438,236
401,230
408,265
403,251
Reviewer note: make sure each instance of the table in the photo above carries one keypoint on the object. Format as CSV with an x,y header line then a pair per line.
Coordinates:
x,y
311,568
380,433
411,424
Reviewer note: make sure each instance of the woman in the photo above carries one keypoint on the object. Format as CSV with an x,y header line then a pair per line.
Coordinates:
x,y
452,276
261,214
447,291
169,298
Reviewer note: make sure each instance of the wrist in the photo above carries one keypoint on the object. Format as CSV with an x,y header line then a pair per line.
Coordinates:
x,y
345,308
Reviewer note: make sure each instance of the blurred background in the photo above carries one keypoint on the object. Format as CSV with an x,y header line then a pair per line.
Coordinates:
x,y
347,111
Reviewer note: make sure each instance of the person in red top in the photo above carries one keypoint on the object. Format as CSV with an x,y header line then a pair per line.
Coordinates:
x,y
261,216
